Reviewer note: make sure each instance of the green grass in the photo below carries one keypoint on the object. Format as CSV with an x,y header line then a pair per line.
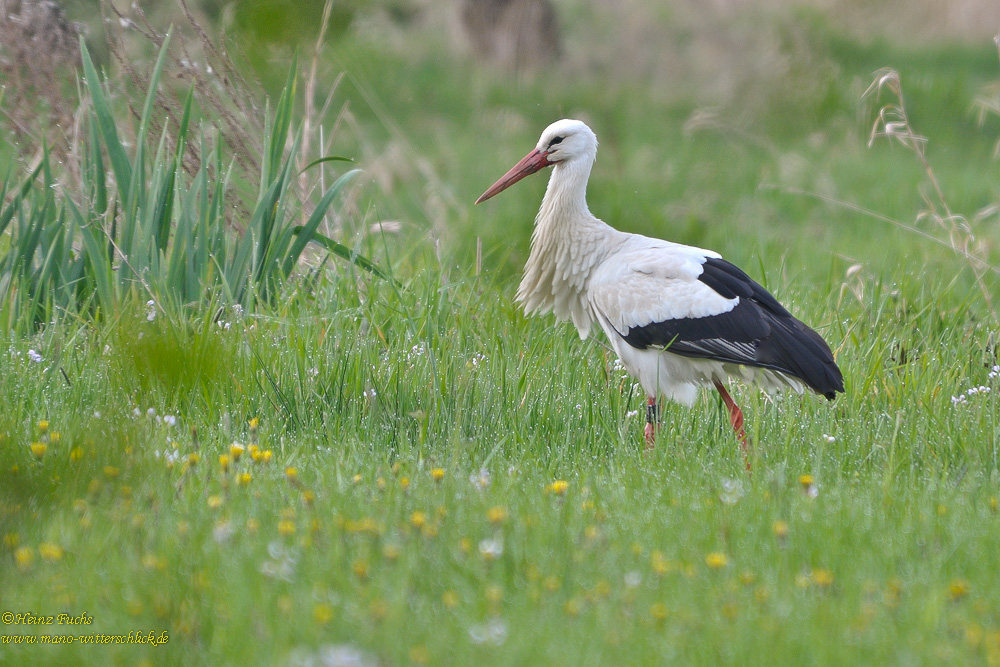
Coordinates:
x,y
396,492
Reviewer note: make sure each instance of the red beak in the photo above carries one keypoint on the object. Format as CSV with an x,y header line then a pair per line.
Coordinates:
x,y
528,165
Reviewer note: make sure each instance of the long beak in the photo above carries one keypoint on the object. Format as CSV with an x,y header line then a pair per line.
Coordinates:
x,y
528,165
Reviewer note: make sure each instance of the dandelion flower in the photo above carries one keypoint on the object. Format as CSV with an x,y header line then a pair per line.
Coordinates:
x,y
958,589
244,478
38,449
291,474
558,487
286,527
420,655
496,515
322,613
822,577
809,485
24,557
50,552
43,425
254,423
224,462
437,474
658,562
418,519
236,451
716,560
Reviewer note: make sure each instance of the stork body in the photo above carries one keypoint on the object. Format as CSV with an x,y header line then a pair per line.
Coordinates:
x,y
678,317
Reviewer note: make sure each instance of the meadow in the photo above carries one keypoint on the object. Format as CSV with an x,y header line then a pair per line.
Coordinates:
x,y
281,454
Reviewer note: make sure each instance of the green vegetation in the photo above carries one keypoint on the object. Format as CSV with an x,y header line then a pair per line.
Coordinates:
x,y
292,461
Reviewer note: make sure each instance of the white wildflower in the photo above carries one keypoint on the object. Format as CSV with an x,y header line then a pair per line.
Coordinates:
x,y
493,631
491,548
482,479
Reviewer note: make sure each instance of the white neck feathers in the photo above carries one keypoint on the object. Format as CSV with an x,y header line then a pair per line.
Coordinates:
x,y
567,244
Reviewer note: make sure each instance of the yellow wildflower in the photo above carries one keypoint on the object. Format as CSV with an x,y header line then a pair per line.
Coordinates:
x,y
958,589
254,423
75,454
360,568
418,519
558,487
111,472
286,527
224,462
322,613
244,478
50,552
214,502
420,655
236,451
496,515
822,578
493,594
43,425
24,557
449,599
38,449
716,560
437,474
780,529
291,474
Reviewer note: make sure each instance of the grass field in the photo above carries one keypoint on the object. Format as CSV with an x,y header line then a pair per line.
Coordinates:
x,y
360,473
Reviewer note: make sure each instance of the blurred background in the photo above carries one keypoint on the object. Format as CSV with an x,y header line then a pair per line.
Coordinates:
x,y
713,116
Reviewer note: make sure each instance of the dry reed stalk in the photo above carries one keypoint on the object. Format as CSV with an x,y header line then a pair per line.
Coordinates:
x,y
893,123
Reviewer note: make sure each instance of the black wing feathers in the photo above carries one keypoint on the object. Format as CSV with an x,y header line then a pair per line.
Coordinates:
x,y
759,331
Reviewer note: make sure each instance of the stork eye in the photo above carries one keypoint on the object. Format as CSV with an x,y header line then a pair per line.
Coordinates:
x,y
557,140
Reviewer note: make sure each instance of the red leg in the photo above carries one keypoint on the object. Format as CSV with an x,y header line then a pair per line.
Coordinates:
x,y
736,419
651,419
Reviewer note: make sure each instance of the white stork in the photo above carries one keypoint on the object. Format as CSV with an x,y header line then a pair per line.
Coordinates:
x,y
678,317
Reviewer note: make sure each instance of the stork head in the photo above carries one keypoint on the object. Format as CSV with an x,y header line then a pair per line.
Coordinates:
x,y
563,142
